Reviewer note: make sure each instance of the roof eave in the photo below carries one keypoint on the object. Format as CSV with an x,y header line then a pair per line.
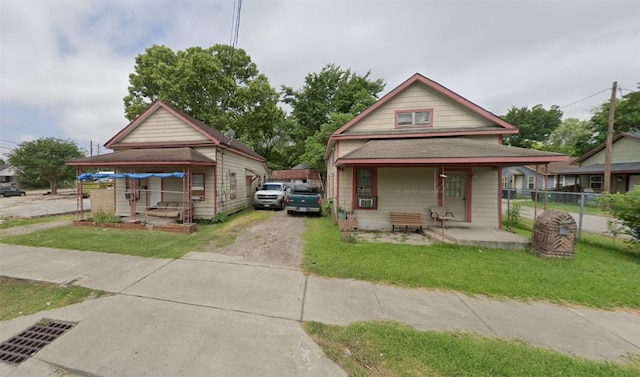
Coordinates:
x,y
513,161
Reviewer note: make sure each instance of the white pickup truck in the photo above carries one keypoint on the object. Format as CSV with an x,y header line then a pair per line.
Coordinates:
x,y
271,195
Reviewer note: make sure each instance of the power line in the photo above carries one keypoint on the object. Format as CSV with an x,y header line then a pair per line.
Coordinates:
x,y
235,23
585,98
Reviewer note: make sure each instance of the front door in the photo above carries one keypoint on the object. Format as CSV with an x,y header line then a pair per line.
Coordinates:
x,y
455,194
155,193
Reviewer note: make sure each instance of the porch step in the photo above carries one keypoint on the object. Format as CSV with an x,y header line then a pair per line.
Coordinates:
x,y
481,237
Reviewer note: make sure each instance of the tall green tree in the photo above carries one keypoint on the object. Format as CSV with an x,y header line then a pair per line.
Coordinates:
x,y
535,124
570,138
627,117
43,160
219,85
327,100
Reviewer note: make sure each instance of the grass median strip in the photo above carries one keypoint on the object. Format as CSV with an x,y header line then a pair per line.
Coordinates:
x,y
392,349
11,222
22,297
603,274
143,243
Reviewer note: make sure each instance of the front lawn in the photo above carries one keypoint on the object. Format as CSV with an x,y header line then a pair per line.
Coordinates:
x,y
603,274
143,243
391,349
23,297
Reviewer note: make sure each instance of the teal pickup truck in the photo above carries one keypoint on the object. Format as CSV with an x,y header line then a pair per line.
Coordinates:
x,y
304,199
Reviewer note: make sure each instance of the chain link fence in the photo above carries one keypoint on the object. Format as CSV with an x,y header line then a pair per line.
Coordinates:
x,y
585,207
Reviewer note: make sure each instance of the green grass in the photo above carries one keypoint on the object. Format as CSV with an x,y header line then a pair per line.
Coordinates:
x,y
143,243
603,274
10,222
391,349
22,297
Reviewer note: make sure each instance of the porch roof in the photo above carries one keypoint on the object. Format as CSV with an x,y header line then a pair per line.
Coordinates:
x,y
617,168
438,151
149,156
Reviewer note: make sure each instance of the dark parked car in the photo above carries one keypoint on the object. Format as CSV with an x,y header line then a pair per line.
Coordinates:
x,y
11,191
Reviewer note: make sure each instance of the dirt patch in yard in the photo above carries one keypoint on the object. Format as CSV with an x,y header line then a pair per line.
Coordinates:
x,y
275,241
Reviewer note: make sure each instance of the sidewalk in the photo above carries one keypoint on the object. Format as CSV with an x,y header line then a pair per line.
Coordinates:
x,y
209,312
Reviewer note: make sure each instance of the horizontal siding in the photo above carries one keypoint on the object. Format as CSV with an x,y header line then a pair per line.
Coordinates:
x,y
624,150
490,139
484,198
231,162
346,146
162,126
205,209
399,190
446,113
331,188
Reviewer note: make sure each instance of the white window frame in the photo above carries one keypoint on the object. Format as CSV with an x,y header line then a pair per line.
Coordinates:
x,y
413,118
531,182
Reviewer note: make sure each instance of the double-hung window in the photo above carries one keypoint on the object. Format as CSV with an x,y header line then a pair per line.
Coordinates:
x,y
197,186
531,182
365,183
414,118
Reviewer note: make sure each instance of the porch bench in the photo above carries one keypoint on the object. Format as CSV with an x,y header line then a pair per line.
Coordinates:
x,y
406,220
166,209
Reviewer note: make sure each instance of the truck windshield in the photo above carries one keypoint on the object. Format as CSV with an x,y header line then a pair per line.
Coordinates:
x,y
272,187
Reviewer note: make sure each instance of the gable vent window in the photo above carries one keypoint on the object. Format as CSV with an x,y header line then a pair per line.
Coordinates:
x,y
414,118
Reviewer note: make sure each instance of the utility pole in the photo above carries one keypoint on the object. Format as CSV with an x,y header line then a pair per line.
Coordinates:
x,y
607,154
91,148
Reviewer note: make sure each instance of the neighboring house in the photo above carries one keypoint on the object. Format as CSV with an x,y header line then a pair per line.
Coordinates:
x,y
421,146
301,173
6,175
625,165
527,178
219,174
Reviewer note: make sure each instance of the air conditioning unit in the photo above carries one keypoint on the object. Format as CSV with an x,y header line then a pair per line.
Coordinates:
x,y
365,202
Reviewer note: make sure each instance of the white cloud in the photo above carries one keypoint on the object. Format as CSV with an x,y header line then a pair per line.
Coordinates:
x,y
64,64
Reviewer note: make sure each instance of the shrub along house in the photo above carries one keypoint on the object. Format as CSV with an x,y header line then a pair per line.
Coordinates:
x,y
423,146
165,158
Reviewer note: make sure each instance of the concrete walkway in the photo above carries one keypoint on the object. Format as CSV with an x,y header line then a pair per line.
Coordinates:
x,y
210,314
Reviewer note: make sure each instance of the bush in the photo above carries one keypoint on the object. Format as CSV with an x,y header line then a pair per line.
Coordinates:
x,y
626,208
513,214
104,217
220,217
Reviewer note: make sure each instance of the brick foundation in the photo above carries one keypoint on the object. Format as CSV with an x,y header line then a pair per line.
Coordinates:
x,y
173,228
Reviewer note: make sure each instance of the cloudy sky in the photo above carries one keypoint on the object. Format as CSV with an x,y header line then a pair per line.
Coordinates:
x,y
64,64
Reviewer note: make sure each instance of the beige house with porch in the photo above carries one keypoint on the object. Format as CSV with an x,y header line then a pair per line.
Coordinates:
x,y
423,146
165,156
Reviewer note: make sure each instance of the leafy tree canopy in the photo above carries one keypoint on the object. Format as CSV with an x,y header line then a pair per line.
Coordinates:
x,y
219,85
571,137
535,124
627,117
43,160
326,101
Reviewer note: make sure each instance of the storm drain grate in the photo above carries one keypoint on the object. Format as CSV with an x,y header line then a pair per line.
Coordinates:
x,y
24,345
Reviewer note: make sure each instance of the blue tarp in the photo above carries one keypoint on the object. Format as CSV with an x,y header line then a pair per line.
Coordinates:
x,y
88,176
